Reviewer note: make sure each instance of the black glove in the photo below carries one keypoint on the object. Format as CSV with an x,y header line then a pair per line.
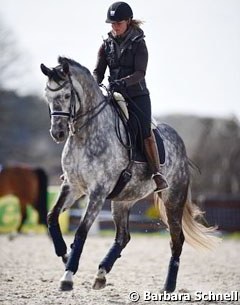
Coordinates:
x,y
118,85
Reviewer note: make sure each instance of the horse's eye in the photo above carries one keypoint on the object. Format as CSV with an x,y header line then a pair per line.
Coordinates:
x,y
67,96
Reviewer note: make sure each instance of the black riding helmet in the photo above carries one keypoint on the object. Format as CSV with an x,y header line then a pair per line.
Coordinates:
x,y
119,11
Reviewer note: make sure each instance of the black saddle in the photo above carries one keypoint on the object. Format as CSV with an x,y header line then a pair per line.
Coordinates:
x,y
136,152
135,140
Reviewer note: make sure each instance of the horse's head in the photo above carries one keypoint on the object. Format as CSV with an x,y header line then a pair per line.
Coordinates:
x,y
73,96
61,98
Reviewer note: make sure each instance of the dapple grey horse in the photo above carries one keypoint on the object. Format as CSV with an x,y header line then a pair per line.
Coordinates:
x,y
92,161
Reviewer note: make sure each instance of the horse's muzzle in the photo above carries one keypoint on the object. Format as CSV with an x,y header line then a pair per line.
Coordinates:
x,y
58,135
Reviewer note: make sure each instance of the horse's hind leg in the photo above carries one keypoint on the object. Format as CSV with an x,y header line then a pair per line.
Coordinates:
x,y
174,210
121,220
23,209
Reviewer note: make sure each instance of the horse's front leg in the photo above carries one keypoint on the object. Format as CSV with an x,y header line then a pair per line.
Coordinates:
x,y
120,213
94,206
53,223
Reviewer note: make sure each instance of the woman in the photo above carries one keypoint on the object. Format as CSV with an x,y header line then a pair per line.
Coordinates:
x,y
125,53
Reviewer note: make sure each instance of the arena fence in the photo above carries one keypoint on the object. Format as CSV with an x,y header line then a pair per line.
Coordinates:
x,y
223,211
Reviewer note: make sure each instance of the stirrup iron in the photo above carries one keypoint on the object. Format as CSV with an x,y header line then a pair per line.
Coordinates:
x,y
163,182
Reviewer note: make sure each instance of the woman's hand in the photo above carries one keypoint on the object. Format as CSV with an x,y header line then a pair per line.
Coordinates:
x,y
118,85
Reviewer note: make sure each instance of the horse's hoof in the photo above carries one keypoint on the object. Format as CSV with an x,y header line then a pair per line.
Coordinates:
x,y
66,285
99,283
169,289
12,236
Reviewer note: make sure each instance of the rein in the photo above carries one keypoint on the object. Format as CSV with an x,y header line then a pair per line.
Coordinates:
x,y
103,103
95,111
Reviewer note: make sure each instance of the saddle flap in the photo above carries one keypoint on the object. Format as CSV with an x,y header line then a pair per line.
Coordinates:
x,y
122,103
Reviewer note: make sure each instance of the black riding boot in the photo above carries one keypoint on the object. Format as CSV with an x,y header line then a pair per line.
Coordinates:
x,y
151,151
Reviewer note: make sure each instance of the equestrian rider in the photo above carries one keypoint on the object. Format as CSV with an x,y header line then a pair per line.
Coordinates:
x,y
125,53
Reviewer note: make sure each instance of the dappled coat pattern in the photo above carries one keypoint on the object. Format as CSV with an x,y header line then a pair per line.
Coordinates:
x,y
92,161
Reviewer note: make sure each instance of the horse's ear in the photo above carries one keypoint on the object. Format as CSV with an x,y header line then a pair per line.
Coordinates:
x,y
64,63
45,70
65,67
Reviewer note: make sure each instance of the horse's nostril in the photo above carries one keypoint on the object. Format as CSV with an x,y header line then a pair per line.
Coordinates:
x,y
61,134
58,136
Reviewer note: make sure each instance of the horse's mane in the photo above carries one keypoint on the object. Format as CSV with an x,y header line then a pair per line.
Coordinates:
x,y
71,62
79,69
57,73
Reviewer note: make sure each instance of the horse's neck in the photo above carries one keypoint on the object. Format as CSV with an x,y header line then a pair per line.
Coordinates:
x,y
103,119
95,136
98,121
95,114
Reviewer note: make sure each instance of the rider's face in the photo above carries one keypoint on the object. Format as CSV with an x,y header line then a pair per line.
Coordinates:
x,y
119,28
